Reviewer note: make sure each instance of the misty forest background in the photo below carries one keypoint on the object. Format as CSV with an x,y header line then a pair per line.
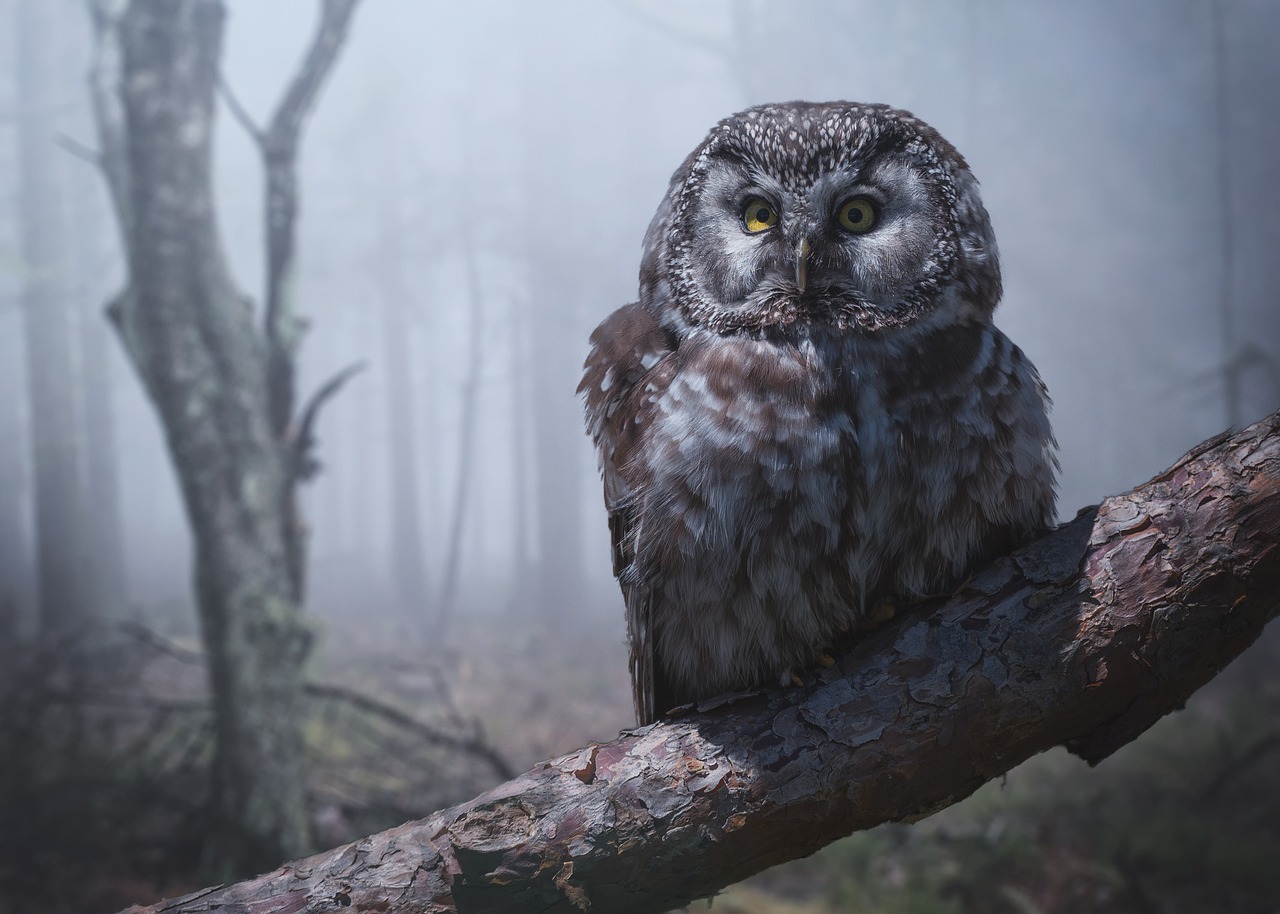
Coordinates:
x,y
475,182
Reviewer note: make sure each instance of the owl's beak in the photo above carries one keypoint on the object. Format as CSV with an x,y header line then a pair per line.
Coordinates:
x,y
802,264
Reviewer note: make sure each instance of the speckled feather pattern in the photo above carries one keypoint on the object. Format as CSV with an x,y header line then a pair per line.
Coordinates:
x,y
776,463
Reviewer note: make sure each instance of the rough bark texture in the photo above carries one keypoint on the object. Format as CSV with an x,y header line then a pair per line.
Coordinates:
x,y
1084,638
218,380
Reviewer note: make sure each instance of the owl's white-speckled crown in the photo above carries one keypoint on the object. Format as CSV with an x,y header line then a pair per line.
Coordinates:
x,y
794,144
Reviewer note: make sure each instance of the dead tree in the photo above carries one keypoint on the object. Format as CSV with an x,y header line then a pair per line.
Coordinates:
x,y
222,379
1085,639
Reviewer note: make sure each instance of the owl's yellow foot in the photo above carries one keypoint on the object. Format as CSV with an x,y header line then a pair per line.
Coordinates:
x,y
803,676
885,610
794,676
881,613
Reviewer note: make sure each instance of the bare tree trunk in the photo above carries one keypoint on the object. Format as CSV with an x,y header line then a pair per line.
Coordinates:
x,y
17,564
103,526
1084,638
191,336
521,453
1231,356
408,553
466,434
554,262
50,340
15,547
223,387
557,492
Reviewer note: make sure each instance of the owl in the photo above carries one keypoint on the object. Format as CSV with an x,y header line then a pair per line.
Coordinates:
x,y
808,415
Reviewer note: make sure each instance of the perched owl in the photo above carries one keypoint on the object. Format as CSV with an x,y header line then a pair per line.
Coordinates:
x,y
809,412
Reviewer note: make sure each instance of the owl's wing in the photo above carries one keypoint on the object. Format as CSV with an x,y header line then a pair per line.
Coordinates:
x,y
627,364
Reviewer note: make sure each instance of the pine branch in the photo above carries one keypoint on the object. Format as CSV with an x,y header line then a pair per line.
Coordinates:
x,y
1085,638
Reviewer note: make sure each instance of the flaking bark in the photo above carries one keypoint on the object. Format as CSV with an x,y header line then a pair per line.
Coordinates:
x,y
1084,638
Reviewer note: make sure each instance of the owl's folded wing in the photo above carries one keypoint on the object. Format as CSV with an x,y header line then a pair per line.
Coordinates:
x,y
628,355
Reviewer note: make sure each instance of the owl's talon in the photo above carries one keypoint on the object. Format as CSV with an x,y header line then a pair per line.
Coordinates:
x,y
825,659
881,613
796,678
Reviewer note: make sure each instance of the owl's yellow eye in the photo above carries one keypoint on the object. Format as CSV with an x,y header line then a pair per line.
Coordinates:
x,y
758,215
857,214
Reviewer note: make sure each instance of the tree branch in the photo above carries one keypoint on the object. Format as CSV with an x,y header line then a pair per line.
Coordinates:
x,y
240,112
302,437
469,740
279,144
1084,638
80,150
473,743
108,108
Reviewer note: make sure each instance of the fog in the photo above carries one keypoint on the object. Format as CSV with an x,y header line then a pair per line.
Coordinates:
x,y
525,150
475,183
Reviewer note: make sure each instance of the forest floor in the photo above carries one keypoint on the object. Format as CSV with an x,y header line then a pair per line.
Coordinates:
x,y
102,771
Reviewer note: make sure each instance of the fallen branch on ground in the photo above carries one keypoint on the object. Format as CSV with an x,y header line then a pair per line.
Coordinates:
x,y
469,740
1084,638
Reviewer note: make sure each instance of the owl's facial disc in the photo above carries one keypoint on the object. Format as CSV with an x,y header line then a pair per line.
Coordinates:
x,y
857,216
854,240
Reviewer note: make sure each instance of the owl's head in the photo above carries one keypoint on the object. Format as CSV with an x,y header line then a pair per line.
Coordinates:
x,y
860,217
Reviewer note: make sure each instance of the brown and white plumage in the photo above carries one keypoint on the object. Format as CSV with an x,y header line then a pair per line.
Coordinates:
x,y
809,409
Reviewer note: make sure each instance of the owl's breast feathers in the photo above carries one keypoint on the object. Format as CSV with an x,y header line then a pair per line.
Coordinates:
x,y
764,493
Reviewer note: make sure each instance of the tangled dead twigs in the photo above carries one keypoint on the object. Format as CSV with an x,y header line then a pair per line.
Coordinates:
x,y
461,733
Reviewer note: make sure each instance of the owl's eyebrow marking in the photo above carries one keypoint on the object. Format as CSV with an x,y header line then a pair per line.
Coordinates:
x,y
755,192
